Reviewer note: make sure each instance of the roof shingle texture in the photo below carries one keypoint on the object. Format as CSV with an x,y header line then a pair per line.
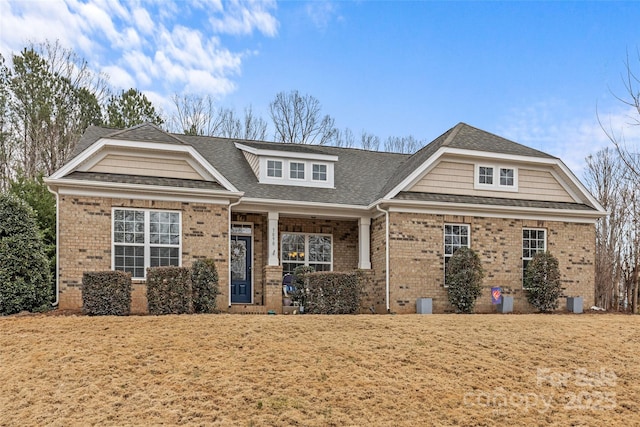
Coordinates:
x,y
361,177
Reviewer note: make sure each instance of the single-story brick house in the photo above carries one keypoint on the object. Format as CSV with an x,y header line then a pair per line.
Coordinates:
x,y
140,197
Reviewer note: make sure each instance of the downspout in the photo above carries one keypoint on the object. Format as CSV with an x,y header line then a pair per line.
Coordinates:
x,y
386,240
229,250
57,301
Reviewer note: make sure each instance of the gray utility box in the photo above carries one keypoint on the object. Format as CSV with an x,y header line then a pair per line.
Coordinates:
x,y
424,306
506,306
574,304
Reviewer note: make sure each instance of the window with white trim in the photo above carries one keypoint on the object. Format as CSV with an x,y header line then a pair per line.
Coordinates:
x,y
319,172
313,250
507,177
492,177
455,236
534,240
485,175
145,238
274,168
296,170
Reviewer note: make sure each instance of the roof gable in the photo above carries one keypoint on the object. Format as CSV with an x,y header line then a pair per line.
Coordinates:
x,y
147,132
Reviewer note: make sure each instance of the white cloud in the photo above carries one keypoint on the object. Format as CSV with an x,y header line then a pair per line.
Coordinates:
x,y
242,17
322,13
160,48
549,127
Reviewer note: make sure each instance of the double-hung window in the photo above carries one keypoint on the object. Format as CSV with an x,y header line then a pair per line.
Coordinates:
x,y
455,236
145,238
533,241
313,250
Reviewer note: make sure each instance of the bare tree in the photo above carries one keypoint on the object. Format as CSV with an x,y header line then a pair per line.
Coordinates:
x,y
194,115
404,144
631,98
344,138
369,141
255,128
605,175
298,119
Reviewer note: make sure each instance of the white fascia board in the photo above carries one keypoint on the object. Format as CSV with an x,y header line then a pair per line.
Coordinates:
x,y
415,206
201,162
138,191
565,169
416,175
302,208
286,154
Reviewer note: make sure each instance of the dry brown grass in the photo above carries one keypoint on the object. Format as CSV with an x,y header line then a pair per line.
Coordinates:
x,y
320,370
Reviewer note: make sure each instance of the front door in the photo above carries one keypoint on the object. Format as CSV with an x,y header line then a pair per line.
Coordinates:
x,y
241,269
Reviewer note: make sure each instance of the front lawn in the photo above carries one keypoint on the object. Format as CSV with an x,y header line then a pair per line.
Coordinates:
x,y
320,370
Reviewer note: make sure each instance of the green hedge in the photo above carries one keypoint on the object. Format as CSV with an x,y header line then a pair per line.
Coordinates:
x,y
204,282
333,293
106,293
169,290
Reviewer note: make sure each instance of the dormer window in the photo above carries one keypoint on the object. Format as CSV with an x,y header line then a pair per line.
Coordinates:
x,y
301,167
319,172
494,177
296,170
274,168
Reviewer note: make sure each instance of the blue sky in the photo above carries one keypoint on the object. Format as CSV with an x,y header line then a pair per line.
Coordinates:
x,y
534,72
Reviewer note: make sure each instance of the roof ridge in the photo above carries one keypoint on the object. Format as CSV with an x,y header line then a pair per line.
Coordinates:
x,y
147,124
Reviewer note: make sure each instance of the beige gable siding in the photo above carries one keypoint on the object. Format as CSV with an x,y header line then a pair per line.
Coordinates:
x,y
146,166
449,177
253,161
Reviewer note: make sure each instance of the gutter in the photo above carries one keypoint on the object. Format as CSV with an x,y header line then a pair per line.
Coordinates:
x,y
386,214
229,250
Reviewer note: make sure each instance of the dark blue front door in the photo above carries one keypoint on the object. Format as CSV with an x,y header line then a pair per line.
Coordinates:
x,y
241,269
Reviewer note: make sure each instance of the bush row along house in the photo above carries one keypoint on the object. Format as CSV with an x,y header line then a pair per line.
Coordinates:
x,y
140,197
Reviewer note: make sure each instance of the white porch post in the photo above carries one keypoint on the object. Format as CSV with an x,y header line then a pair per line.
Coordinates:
x,y
364,243
273,238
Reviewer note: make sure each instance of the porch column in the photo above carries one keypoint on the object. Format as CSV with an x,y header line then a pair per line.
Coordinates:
x,y
364,243
273,238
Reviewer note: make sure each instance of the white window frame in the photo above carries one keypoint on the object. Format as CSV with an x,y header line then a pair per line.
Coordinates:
x,y
325,172
444,246
526,260
281,168
147,241
306,261
496,184
297,172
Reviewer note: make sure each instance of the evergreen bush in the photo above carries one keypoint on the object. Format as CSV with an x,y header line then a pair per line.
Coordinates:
x,y
169,290
464,279
542,282
333,293
24,268
204,282
106,293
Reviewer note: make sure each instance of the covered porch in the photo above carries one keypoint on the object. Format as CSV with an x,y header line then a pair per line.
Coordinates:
x,y
264,246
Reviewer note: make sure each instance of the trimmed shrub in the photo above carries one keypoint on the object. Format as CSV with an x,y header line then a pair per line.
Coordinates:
x,y
169,290
464,280
24,269
333,293
299,280
204,282
106,293
542,282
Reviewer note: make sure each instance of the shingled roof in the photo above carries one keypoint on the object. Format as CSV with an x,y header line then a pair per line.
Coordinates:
x,y
361,176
